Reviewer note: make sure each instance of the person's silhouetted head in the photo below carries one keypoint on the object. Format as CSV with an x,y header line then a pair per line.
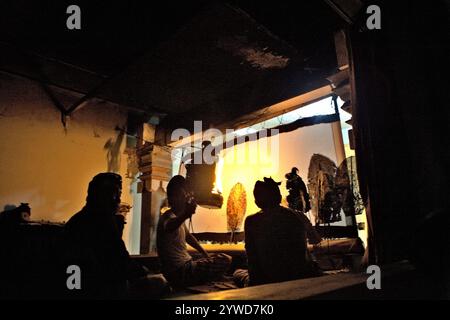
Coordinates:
x,y
177,192
293,174
267,193
104,193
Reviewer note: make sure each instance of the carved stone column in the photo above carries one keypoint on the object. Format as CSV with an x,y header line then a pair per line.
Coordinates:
x,y
155,165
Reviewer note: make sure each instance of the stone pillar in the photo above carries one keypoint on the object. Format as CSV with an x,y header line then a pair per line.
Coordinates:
x,y
155,165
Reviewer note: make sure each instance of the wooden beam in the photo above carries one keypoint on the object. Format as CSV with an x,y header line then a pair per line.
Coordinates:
x,y
341,77
341,45
279,108
346,9
264,113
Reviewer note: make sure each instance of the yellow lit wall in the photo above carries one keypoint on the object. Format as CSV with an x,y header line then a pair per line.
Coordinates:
x,y
47,167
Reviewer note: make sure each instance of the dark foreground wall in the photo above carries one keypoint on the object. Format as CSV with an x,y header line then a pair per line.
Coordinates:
x,y
401,117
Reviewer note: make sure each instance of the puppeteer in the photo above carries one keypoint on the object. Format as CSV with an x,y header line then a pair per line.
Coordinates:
x,y
298,198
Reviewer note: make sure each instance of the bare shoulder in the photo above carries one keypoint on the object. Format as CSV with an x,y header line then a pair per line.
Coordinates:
x,y
166,216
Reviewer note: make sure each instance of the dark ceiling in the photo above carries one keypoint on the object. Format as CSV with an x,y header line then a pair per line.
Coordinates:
x,y
189,60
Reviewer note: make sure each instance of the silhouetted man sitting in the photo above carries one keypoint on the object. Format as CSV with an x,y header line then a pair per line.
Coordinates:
x,y
275,239
173,236
95,245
